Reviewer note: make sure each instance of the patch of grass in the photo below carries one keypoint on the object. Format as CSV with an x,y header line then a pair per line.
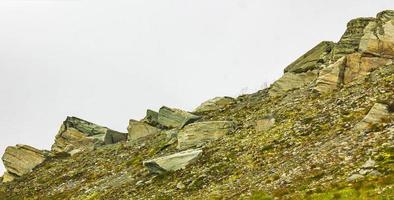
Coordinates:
x,y
260,195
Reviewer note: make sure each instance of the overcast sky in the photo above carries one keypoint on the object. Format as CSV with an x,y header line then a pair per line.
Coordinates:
x,y
108,61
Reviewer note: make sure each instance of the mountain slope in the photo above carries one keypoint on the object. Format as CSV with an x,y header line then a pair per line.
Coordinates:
x,y
325,130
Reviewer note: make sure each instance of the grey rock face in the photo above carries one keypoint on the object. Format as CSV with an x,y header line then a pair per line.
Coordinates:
x,y
138,129
20,160
172,162
202,132
175,118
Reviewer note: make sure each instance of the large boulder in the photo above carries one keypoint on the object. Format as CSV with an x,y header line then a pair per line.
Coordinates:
x,y
197,134
137,129
312,59
378,114
152,118
330,77
215,104
172,162
20,160
175,118
77,135
290,81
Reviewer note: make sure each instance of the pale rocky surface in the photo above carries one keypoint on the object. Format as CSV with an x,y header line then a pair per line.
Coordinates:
x,y
199,133
377,115
137,129
172,162
175,118
330,76
290,81
216,103
265,123
20,160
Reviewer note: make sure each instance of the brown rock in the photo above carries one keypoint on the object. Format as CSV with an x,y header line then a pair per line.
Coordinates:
x,y
137,129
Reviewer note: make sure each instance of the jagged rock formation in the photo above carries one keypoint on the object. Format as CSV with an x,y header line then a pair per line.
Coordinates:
x,y
76,135
20,160
325,130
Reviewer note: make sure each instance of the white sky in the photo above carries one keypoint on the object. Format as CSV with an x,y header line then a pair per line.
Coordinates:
x,y
108,61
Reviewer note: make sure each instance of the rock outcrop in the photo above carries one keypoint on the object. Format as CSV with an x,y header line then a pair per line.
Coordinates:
x,y
197,134
377,115
172,162
77,135
137,129
20,160
175,118
290,81
216,103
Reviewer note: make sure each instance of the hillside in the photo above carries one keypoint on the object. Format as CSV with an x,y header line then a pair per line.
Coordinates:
x,y
324,130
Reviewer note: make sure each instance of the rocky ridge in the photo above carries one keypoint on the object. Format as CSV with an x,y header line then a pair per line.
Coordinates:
x,y
324,130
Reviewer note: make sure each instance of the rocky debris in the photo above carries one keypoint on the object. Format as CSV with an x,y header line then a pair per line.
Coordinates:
x,y
368,168
312,59
137,129
290,81
172,162
175,118
264,124
330,77
20,160
79,134
215,104
376,115
199,133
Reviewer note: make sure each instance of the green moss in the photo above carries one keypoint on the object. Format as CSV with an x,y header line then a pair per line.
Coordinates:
x,y
259,195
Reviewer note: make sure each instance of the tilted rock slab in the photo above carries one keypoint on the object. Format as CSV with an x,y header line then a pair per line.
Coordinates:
x,y
172,162
330,77
77,135
20,160
312,59
215,104
378,114
200,133
175,118
290,81
137,129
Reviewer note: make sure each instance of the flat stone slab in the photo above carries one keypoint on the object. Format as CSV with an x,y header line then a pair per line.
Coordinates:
x,y
139,129
172,162
215,104
175,118
20,160
197,134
